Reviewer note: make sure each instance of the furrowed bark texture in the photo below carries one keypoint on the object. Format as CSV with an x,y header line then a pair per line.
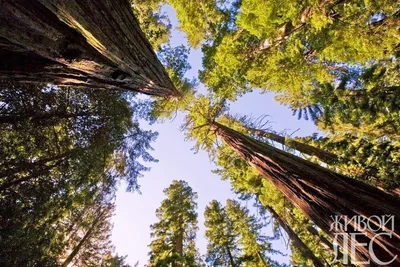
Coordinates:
x,y
83,43
320,154
321,194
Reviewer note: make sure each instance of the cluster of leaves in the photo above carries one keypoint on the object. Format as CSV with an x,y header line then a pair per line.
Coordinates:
x,y
332,61
292,47
235,238
152,21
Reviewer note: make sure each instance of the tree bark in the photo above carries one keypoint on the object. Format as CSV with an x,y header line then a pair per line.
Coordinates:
x,y
307,253
322,194
90,43
179,243
320,154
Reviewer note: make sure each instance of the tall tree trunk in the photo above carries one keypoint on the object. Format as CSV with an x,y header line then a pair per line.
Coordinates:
x,y
307,253
322,155
179,243
322,194
327,244
87,235
91,43
231,260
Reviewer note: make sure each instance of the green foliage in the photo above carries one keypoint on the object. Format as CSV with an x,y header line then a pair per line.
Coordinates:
x,y
290,47
87,237
235,237
175,232
197,122
153,23
198,18
374,161
222,247
61,151
114,261
175,60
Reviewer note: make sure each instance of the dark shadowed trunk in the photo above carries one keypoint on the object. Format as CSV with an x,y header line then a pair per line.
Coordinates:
x,y
307,253
91,44
231,260
322,194
41,117
32,175
36,165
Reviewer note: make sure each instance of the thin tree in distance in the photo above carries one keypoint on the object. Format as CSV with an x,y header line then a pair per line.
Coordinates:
x,y
174,234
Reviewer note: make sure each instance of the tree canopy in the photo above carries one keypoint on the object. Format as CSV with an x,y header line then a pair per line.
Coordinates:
x,y
71,127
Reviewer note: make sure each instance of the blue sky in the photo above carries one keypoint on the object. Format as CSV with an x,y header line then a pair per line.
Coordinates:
x,y
136,212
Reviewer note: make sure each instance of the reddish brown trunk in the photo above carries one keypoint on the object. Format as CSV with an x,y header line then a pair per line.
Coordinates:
x,y
322,194
179,243
307,253
320,154
93,44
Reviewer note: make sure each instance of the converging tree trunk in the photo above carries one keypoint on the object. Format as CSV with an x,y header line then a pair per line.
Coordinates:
x,y
91,43
327,244
307,253
329,199
320,154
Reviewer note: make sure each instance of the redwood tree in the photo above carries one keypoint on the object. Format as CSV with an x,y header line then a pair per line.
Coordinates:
x,y
295,238
321,193
92,44
173,235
